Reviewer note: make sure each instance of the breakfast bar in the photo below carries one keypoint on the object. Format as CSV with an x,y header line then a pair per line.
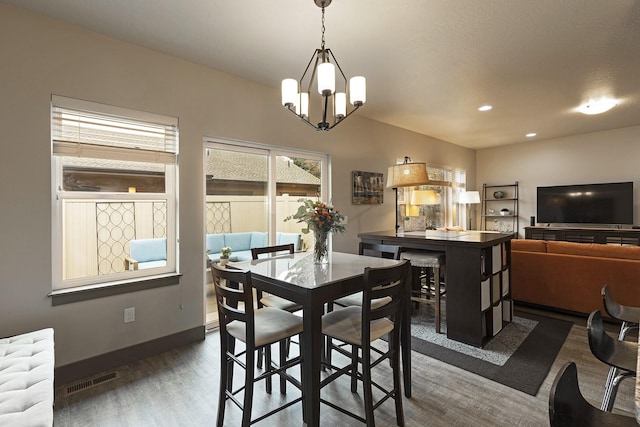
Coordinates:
x,y
477,274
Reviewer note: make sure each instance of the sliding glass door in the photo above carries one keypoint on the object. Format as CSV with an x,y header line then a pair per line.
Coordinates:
x,y
253,188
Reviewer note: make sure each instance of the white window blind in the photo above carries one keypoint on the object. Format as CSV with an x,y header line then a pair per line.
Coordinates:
x,y
83,133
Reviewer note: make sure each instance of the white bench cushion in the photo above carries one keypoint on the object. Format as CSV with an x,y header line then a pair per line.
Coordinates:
x,y
26,379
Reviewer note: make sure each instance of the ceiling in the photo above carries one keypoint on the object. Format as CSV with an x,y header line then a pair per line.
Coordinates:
x,y
429,64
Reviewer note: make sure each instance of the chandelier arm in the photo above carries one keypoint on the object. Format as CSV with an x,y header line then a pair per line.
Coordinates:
x,y
338,66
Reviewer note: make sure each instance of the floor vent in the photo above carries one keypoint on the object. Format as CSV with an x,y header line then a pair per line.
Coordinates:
x,y
87,384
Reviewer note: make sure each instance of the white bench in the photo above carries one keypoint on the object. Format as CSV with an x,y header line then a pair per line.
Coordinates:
x,y
26,379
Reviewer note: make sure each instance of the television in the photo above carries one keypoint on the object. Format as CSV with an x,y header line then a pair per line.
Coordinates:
x,y
610,203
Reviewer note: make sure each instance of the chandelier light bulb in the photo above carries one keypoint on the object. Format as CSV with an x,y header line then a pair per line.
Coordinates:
x,y
357,90
289,92
326,79
304,104
341,104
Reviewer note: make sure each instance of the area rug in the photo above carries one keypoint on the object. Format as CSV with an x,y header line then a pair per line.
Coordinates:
x,y
519,357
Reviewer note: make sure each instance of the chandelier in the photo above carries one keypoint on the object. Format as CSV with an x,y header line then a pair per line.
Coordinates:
x,y
333,101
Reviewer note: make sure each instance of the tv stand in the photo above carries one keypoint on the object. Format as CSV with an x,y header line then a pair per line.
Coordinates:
x,y
602,235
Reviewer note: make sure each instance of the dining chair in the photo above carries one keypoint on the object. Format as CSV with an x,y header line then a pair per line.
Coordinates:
x,y
257,329
369,249
568,408
359,326
621,355
268,300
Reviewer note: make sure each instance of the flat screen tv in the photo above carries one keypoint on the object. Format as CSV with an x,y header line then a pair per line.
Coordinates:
x,y
610,203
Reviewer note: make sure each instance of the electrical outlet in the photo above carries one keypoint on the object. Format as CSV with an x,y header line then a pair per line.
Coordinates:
x,y
129,315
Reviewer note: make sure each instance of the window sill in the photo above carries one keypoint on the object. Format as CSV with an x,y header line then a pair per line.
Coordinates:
x,y
84,293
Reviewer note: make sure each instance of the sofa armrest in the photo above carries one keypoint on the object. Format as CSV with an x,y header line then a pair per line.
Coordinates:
x,y
130,262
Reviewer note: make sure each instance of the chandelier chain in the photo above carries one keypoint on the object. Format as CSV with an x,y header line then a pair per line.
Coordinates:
x,y
322,44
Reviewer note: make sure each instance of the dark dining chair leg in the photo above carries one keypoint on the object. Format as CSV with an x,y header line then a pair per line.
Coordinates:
x,y
397,385
366,385
354,368
267,367
284,352
231,348
224,383
248,390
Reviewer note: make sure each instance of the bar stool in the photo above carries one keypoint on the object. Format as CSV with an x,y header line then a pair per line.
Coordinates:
x,y
627,314
568,408
621,355
426,260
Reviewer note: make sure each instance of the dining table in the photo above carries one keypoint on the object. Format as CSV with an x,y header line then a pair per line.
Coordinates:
x,y
298,278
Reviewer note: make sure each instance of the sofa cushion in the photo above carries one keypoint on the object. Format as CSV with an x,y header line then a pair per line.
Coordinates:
x,y
145,250
594,250
214,243
258,239
528,245
26,379
286,238
238,241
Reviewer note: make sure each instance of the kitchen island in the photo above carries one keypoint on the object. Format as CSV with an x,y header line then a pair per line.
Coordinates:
x,y
477,274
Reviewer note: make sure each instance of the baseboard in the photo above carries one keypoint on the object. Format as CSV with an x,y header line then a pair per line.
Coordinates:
x,y
84,368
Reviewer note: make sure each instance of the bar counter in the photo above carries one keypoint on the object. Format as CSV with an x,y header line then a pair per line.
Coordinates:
x,y
477,274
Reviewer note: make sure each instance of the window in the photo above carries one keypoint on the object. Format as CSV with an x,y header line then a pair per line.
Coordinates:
x,y
115,185
432,206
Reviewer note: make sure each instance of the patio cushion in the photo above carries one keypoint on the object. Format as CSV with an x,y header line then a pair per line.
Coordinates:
x,y
146,250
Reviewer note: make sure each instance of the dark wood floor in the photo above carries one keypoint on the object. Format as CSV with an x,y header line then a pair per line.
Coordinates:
x,y
180,388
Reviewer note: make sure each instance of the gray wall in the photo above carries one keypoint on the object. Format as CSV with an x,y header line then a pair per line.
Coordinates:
x,y
611,156
40,57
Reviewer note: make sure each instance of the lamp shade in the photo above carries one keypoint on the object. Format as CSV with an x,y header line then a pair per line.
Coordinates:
x,y
407,175
424,197
469,197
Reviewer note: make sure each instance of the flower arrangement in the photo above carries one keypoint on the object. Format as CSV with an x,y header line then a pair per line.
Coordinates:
x,y
225,252
322,219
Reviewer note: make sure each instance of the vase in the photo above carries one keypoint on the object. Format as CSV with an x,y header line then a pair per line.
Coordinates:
x,y
224,261
321,247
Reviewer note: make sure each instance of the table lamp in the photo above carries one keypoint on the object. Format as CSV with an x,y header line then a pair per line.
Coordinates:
x,y
469,198
406,174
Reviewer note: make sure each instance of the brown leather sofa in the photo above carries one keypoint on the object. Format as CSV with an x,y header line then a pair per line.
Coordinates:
x,y
569,276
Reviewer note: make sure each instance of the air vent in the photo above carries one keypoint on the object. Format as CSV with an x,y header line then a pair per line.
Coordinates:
x,y
87,384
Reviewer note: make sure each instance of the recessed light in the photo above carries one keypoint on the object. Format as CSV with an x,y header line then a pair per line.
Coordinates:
x,y
485,108
531,135
597,106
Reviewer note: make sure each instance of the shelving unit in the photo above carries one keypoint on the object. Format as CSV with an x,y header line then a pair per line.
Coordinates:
x,y
492,218
495,300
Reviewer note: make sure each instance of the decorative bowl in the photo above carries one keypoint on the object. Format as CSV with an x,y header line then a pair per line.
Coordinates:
x,y
498,194
504,211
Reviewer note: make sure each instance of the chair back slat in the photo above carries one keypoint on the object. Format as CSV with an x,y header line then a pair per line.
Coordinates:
x,y
256,252
379,250
384,282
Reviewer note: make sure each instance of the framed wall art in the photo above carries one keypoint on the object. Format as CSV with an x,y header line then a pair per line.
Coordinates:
x,y
367,188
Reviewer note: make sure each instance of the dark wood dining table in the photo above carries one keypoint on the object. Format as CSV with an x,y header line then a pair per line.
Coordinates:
x,y
297,278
